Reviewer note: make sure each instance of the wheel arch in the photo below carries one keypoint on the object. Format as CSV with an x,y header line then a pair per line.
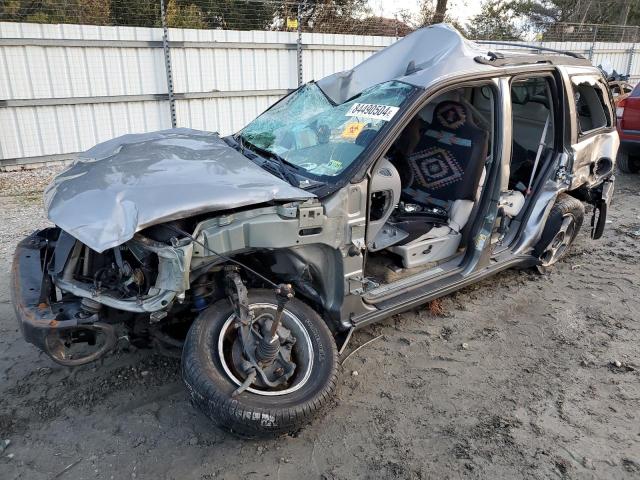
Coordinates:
x,y
315,271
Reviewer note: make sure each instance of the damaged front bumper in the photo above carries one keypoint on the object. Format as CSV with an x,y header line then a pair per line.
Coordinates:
x,y
51,305
36,315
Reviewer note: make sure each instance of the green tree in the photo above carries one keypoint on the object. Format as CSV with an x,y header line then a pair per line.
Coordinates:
x,y
426,12
330,16
494,22
610,12
184,16
428,15
92,12
139,13
235,14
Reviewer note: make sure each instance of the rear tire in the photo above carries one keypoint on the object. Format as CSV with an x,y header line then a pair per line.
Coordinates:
x,y
561,229
627,163
256,413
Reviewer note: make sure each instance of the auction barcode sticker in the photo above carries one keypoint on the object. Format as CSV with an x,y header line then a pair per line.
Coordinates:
x,y
371,110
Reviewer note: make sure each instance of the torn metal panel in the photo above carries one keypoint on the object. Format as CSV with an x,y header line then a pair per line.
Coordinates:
x,y
588,154
126,184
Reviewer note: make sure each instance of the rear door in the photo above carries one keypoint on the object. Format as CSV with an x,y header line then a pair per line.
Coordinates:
x,y
594,139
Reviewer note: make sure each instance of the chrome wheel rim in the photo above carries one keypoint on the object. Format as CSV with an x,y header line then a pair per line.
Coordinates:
x,y
560,242
302,349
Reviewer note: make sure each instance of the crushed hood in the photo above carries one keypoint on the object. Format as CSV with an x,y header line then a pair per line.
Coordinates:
x,y
131,182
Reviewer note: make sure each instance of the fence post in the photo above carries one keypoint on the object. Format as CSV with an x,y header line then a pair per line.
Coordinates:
x,y
167,63
396,27
632,51
299,43
593,43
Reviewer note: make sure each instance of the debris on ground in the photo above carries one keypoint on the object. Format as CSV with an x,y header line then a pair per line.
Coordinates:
x,y
617,366
632,230
66,469
436,308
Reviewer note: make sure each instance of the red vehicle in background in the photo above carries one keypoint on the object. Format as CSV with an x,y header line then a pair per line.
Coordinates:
x,y
628,113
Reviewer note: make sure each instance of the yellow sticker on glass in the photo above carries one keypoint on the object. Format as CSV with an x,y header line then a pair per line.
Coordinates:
x,y
352,129
335,165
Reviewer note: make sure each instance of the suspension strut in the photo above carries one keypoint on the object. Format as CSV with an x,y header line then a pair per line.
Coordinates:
x,y
268,347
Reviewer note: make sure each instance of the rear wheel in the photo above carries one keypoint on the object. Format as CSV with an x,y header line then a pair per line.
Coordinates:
x,y
561,229
627,163
212,368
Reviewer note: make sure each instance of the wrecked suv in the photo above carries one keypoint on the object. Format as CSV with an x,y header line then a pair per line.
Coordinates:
x,y
429,166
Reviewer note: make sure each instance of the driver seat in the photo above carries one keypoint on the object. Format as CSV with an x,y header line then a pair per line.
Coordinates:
x,y
446,172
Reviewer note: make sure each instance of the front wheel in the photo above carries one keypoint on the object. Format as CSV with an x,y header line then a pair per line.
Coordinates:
x,y
212,368
561,229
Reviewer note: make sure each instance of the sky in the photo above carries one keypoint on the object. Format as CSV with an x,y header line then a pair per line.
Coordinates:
x,y
462,9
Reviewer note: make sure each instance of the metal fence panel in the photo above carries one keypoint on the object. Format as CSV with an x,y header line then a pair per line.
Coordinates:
x,y
257,61
64,88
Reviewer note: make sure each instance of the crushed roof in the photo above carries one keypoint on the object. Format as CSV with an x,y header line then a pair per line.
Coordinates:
x,y
416,59
419,59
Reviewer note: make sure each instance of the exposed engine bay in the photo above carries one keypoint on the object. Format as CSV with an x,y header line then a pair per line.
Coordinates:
x,y
85,293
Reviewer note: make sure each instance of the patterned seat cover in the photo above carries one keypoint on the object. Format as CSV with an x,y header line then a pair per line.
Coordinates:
x,y
447,162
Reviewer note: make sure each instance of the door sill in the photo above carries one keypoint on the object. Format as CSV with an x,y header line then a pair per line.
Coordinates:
x,y
406,284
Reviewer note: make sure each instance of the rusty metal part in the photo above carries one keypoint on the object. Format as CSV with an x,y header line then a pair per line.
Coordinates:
x,y
56,345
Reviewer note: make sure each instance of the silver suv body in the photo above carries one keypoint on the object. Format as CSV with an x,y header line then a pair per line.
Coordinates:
x,y
429,166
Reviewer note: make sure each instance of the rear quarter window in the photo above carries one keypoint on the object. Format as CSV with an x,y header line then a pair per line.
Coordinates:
x,y
636,91
592,104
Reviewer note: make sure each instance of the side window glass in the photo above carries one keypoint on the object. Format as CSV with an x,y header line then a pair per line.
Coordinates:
x,y
592,105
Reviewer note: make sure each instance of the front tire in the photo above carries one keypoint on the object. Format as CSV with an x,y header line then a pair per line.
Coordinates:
x,y
627,163
210,379
561,229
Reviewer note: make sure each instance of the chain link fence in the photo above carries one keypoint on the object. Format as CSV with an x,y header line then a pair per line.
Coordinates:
x,y
612,47
338,16
355,17
78,72
579,33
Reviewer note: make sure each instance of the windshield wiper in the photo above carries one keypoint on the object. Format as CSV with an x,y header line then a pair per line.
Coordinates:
x,y
282,166
283,169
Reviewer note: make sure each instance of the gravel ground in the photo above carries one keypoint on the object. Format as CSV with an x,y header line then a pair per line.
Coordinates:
x,y
520,376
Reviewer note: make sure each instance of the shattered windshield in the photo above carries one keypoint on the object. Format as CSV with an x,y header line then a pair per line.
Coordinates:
x,y
308,131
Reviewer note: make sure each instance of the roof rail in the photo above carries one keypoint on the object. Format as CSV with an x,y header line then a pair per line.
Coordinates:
x,y
532,47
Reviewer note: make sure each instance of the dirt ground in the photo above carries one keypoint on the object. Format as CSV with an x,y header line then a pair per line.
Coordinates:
x,y
521,376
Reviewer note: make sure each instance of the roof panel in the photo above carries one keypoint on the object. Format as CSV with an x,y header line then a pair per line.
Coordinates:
x,y
431,51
